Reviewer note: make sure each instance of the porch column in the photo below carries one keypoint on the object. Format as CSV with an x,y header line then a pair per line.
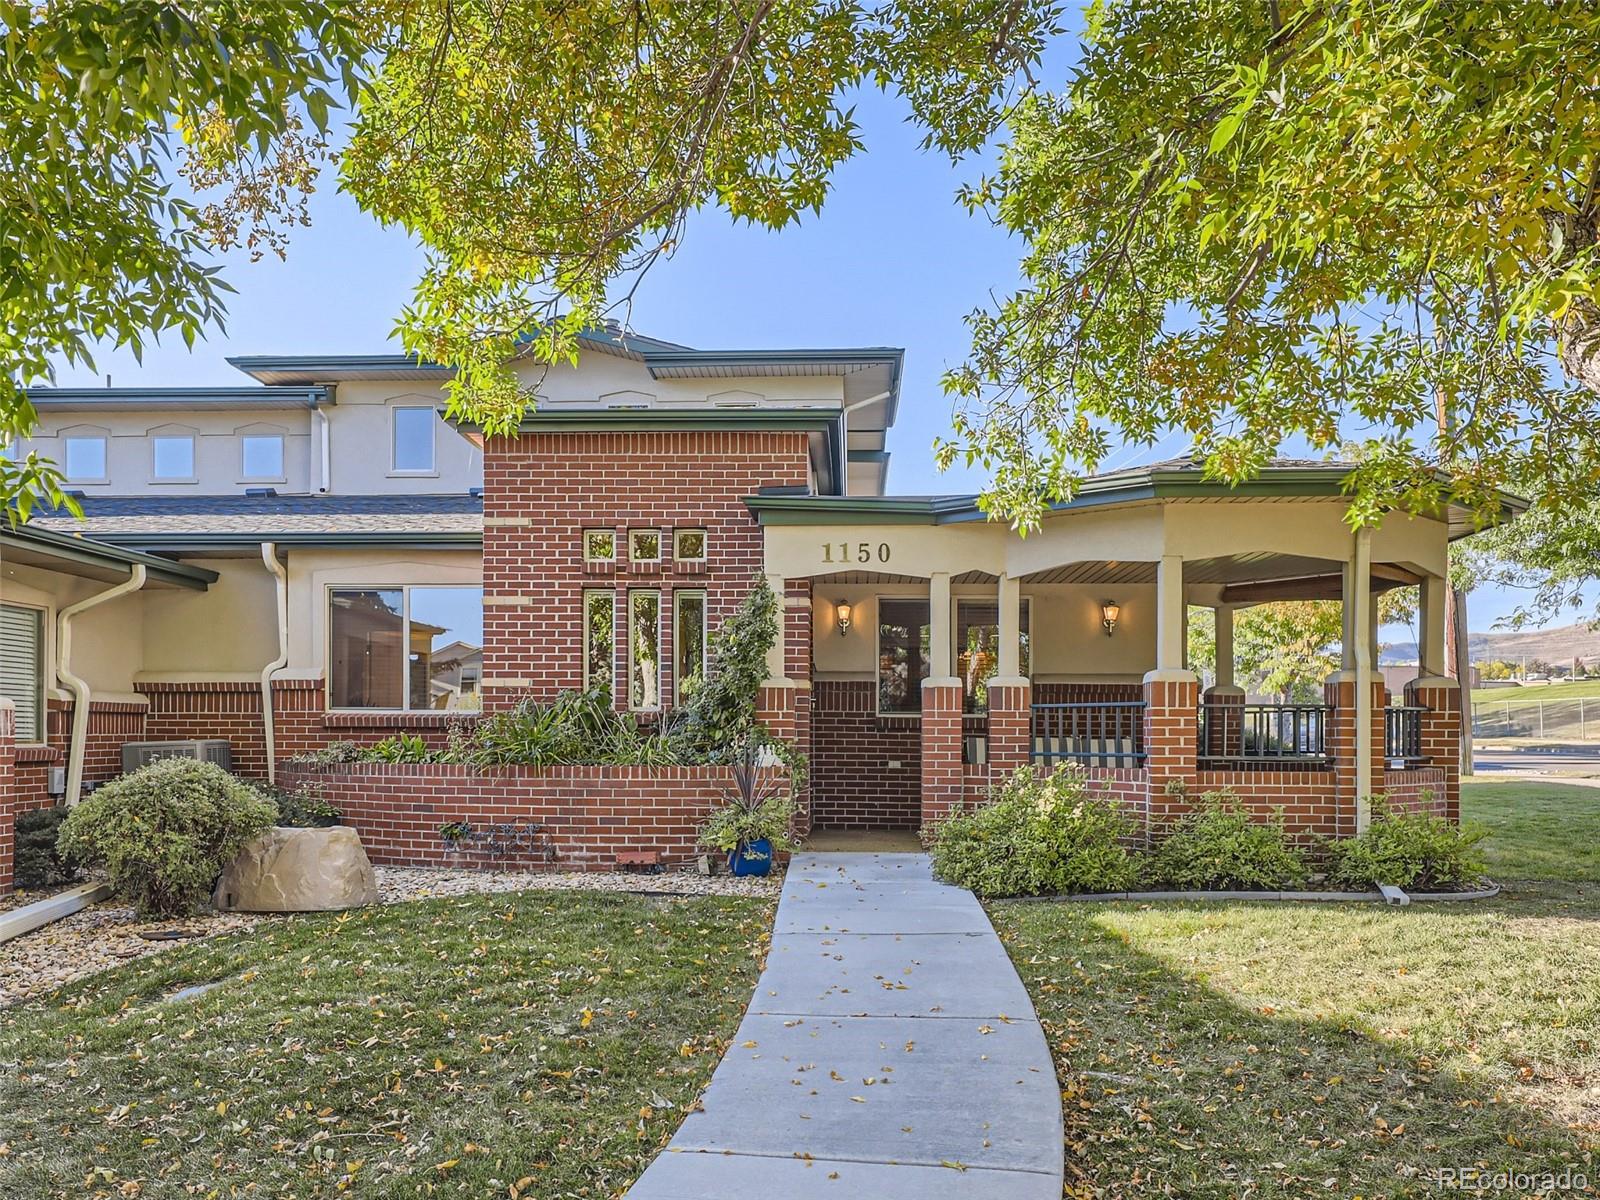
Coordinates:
x,y
1010,691
1355,727
941,709
1361,579
1440,695
797,668
1224,703
1171,700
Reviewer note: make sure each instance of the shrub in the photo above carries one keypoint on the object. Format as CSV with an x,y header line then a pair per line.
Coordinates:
x,y
1408,850
575,728
38,863
302,808
330,755
399,748
1037,835
164,832
721,714
1220,845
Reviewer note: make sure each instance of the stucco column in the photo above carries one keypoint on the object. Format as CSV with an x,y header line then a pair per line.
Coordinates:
x,y
1008,664
1171,613
1224,703
1171,702
1431,618
1224,640
940,635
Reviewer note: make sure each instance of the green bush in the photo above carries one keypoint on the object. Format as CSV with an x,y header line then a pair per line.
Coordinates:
x,y
1037,835
756,807
574,728
1222,846
164,832
399,748
330,755
301,808
1409,850
38,863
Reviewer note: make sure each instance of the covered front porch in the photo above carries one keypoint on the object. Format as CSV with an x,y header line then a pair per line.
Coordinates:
x,y
926,651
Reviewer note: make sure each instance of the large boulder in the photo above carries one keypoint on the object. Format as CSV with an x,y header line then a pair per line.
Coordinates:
x,y
298,870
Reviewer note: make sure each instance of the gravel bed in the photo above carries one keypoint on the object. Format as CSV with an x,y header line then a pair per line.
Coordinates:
x,y
107,935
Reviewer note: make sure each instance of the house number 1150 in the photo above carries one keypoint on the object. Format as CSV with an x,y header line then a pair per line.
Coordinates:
x,y
861,552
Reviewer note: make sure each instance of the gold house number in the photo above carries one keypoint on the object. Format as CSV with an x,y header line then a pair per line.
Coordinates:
x,y
859,552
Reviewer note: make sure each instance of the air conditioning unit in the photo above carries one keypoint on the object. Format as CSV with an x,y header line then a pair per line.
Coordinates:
x,y
212,750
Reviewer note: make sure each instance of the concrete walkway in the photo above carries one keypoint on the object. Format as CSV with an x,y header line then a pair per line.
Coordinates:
x,y
889,1051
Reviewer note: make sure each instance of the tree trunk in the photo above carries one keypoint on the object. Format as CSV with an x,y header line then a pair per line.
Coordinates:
x,y
1458,665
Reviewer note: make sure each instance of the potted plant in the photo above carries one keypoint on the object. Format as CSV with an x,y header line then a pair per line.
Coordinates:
x,y
754,821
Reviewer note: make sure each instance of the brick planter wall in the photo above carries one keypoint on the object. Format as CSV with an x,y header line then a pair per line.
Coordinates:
x,y
586,815
1418,789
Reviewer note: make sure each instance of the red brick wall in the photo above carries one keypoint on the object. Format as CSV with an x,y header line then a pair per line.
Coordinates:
x,y
1308,797
111,723
1441,739
852,785
943,777
588,815
1087,693
31,782
541,490
1010,728
1417,789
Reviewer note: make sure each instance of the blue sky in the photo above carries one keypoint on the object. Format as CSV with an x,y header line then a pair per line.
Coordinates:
x,y
892,260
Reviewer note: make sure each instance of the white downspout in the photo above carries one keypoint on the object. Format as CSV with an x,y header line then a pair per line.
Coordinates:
x,y
78,688
844,435
325,471
269,556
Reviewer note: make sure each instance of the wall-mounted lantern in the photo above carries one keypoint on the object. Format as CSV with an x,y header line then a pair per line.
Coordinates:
x,y
1109,612
841,612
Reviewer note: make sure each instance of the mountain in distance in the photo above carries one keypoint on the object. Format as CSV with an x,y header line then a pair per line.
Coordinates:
x,y
1557,646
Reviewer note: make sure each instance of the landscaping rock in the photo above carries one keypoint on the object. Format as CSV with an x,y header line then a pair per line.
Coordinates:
x,y
298,870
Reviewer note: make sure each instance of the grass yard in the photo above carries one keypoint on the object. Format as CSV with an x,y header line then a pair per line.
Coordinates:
x,y
1585,689
1222,1050
537,1044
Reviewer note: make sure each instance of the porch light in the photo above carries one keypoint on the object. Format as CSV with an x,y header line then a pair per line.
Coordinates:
x,y
1109,612
842,613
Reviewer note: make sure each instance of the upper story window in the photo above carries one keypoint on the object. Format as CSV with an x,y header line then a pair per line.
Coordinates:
x,y
413,438
84,458
261,456
22,668
690,546
644,545
599,545
172,458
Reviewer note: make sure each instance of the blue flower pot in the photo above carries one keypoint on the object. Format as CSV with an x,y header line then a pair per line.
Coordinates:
x,y
751,858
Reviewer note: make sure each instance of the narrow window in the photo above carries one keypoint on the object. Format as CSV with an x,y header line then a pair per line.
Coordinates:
x,y
261,456
644,650
688,644
599,545
86,459
172,457
599,639
413,438
366,663
644,545
691,546
978,648
22,668
902,654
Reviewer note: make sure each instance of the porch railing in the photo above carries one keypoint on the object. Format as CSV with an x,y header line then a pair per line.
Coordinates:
x,y
1402,733
1257,734
1108,734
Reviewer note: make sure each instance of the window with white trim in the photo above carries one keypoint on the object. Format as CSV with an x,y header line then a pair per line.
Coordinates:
x,y
83,458
600,545
261,456
599,639
644,545
407,648
412,438
688,644
689,545
172,457
644,650
22,668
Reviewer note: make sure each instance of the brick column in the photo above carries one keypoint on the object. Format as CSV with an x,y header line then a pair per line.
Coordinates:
x,y
941,746
1441,733
1010,723
1340,692
8,828
1171,701
797,666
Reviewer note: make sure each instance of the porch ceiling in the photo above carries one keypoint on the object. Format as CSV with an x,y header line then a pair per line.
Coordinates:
x,y
868,577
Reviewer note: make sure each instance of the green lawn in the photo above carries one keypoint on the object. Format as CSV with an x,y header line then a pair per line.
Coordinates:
x,y
1220,1050
540,1044
1578,688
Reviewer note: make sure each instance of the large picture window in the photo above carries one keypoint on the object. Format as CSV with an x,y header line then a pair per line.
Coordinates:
x,y
22,668
644,650
688,643
902,654
978,648
599,638
405,648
